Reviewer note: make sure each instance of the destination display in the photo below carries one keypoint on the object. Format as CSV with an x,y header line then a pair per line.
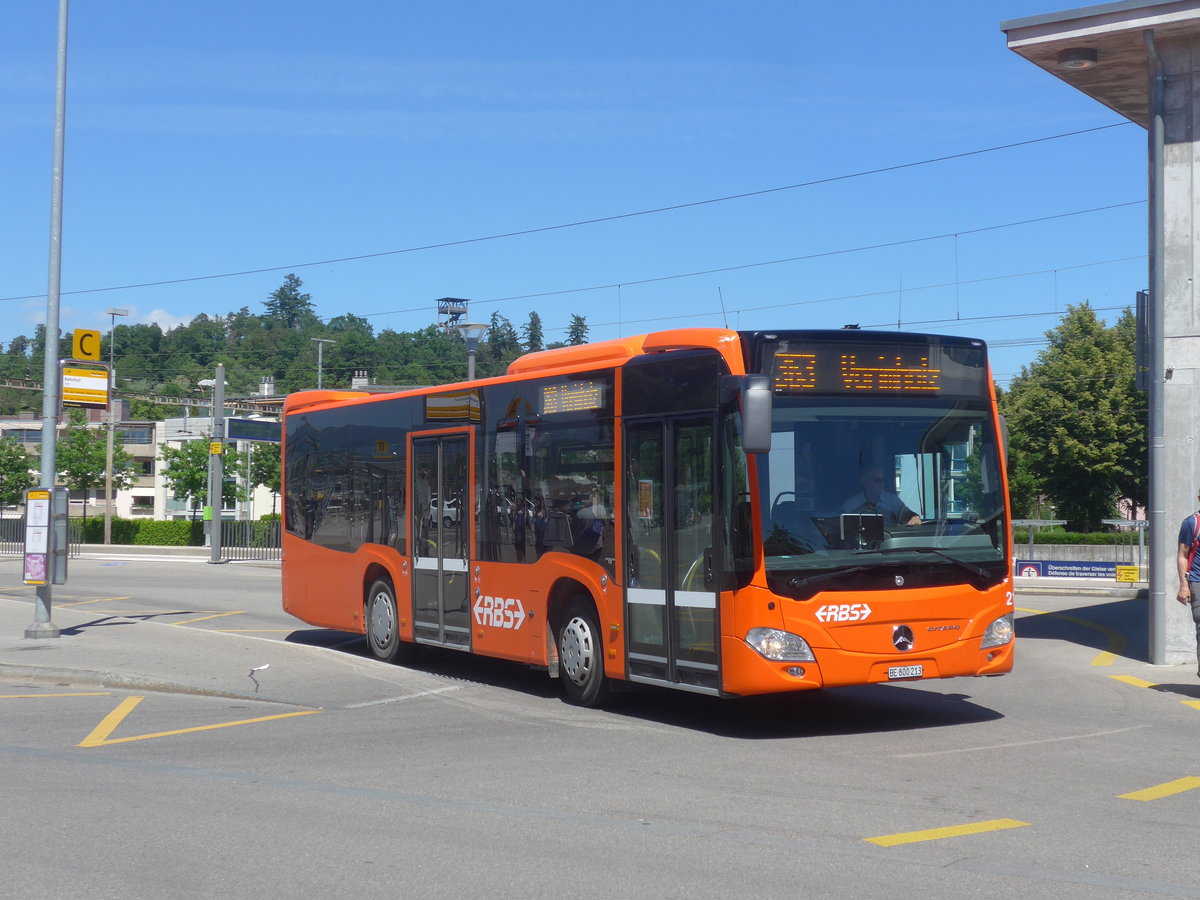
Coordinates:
x,y
572,396
840,367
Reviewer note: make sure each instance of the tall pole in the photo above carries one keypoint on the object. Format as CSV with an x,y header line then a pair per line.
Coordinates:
x,y
321,342
112,423
471,332
42,626
216,467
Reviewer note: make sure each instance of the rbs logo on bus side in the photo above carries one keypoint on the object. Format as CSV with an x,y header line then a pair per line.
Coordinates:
x,y
499,612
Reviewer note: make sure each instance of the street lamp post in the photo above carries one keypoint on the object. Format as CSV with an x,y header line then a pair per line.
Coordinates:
x,y
321,342
112,423
216,467
471,333
42,625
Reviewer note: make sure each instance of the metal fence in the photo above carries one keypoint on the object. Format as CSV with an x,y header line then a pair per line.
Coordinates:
x,y
250,540
12,537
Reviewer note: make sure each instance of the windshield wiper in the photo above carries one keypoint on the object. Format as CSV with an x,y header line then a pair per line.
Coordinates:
x,y
798,582
970,567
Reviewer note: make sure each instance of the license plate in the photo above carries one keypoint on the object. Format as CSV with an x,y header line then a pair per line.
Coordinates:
x,y
905,672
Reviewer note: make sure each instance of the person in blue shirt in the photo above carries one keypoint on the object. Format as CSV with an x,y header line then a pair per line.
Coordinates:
x,y
1187,561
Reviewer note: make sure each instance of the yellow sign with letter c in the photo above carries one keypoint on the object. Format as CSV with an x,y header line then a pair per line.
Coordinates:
x,y
85,344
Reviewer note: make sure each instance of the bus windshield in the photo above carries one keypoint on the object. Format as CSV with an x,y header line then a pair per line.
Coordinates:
x,y
863,482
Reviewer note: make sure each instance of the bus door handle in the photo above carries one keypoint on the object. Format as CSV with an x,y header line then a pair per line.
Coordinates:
x,y
708,567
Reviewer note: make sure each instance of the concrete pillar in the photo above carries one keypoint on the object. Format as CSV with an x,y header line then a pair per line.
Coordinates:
x,y
1108,53
1181,338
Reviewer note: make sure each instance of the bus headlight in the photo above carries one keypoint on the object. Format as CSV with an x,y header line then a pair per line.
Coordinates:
x,y
998,633
781,646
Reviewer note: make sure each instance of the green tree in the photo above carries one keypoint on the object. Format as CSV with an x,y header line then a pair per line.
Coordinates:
x,y
1073,420
185,469
532,333
288,307
16,472
502,341
266,469
577,331
81,454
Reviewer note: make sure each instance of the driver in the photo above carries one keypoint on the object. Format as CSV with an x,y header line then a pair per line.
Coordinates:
x,y
874,499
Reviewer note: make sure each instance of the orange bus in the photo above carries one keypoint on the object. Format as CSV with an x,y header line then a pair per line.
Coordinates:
x,y
723,512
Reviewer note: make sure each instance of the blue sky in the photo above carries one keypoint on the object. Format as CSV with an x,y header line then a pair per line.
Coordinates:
x,y
218,138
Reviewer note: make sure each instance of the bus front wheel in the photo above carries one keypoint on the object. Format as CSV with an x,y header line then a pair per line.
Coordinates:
x,y
580,655
383,621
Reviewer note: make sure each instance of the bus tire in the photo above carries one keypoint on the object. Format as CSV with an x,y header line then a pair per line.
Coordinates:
x,y
581,655
383,621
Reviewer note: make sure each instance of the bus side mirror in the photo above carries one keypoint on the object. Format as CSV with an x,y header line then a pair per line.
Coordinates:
x,y
756,413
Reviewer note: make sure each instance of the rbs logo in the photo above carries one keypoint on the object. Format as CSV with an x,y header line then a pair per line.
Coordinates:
x,y
843,612
499,612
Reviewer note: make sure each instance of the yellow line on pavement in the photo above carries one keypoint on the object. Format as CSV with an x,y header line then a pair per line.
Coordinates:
x,y
97,600
1178,786
100,734
1116,640
937,834
40,696
1136,682
220,615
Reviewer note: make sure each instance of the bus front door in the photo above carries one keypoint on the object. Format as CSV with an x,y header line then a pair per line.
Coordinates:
x,y
671,596
441,510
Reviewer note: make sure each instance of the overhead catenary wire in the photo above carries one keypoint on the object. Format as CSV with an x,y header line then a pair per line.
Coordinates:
x,y
832,179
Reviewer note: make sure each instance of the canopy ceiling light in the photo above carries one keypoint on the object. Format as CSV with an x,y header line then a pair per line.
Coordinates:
x,y
1073,59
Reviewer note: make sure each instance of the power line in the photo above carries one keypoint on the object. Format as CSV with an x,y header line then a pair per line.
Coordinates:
x,y
593,221
791,259
880,293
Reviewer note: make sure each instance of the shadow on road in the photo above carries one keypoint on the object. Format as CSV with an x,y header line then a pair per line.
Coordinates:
x,y
1120,627
865,709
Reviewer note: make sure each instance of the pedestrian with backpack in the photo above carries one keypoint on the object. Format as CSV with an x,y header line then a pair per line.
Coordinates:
x,y
1187,560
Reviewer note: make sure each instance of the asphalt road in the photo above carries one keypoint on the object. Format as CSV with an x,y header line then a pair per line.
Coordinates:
x,y
1073,777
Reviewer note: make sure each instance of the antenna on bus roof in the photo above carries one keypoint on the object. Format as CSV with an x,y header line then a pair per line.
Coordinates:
x,y
724,317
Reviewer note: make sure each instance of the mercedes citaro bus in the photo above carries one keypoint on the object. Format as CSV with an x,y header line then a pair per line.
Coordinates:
x,y
724,512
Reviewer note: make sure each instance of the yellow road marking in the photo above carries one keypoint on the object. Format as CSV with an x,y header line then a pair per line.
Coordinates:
x,y
1136,682
1116,640
937,834
1163,790
40,696
221,615
97,600
100,734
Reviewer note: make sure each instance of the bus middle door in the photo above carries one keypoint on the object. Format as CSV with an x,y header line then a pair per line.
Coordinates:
x,y
442,508
671,598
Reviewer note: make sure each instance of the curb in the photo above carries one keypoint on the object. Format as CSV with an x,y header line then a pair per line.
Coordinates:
x,y
121,681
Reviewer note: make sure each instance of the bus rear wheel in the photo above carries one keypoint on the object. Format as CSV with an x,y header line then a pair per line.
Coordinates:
x,y
580,655
383,621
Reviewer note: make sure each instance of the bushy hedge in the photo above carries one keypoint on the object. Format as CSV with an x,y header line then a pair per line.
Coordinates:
x,y
146,532
1051,536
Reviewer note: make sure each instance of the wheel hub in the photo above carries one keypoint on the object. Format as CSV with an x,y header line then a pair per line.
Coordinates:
x,y
577,651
